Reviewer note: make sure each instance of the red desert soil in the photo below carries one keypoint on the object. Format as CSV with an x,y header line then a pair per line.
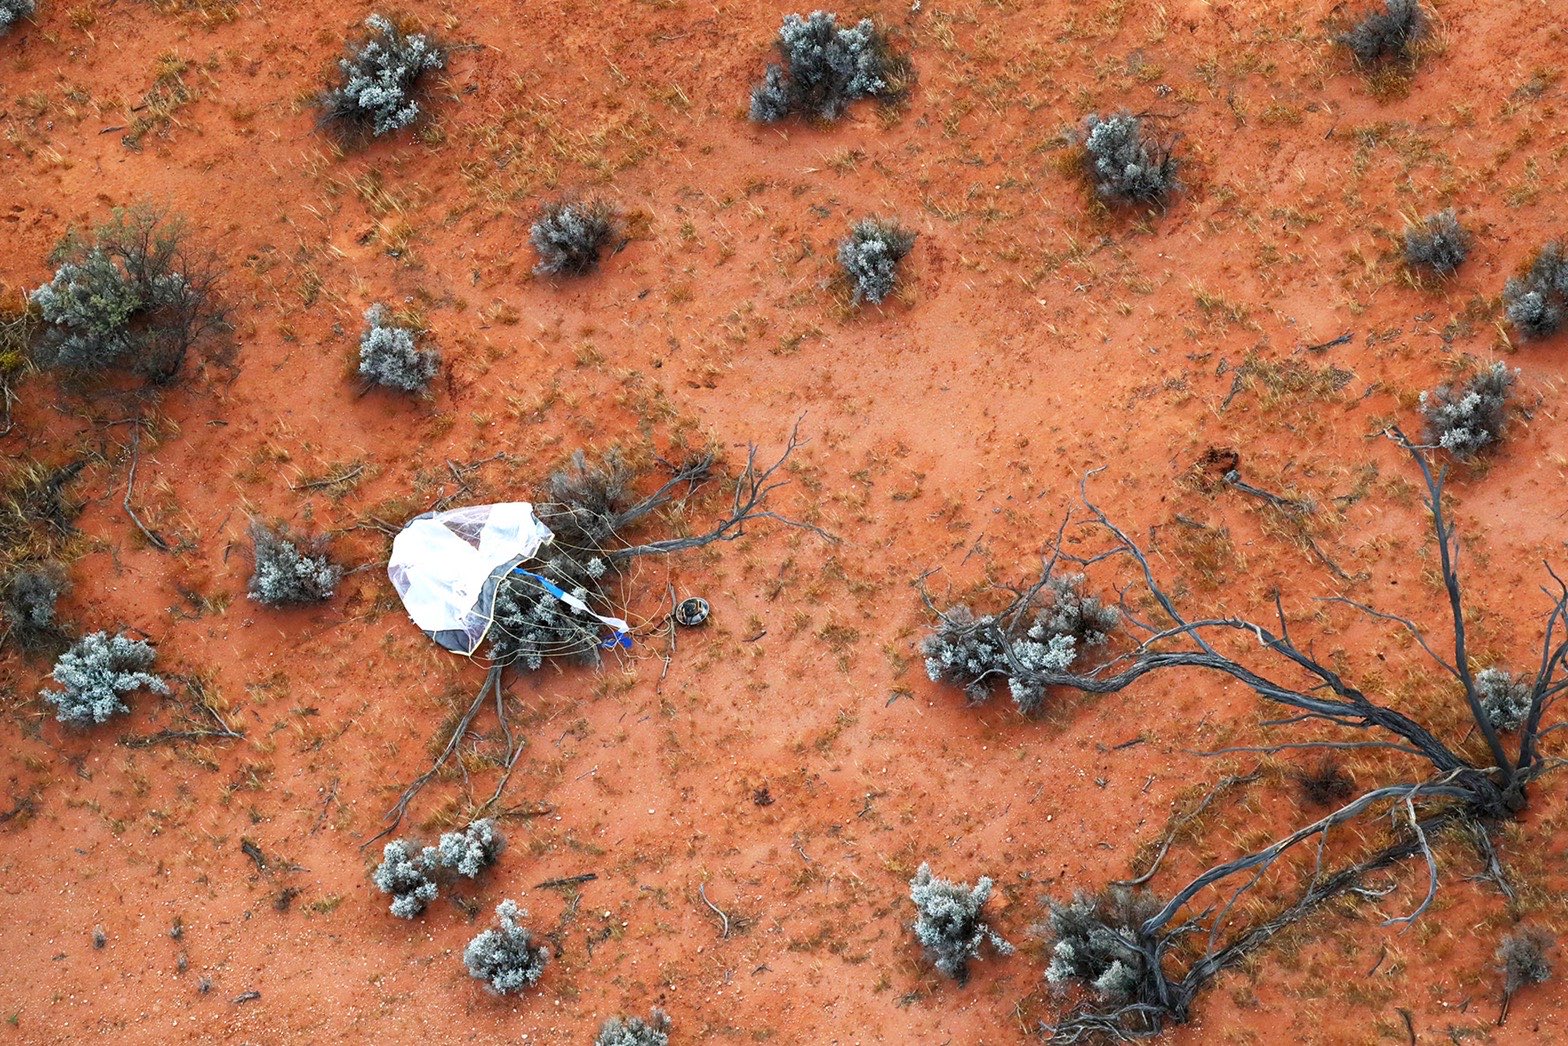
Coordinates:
x,y
1037,338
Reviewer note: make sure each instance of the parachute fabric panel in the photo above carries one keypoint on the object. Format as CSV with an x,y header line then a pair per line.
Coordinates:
x,y
445,567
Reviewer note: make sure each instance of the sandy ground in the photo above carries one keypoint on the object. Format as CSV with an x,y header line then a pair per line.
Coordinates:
x,y
1037,338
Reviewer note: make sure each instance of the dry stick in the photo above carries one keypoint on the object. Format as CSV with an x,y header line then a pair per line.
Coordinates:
x,y
500,786
1228,781
130,480
395,815
329,481
702,891
1344,339
222,729
670,653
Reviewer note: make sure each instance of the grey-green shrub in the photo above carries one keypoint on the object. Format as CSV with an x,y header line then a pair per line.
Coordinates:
x,y
1469,418
1523,958
505,957
966,651
290,570
1386,33
391,357
96,672
1504,699
825,67
1127,162
975,653
634,1031
13,11
871,255
28,595
1536,302
472,850
569,235
381,79
405,875
135,296
948,923
1095,943
1438,243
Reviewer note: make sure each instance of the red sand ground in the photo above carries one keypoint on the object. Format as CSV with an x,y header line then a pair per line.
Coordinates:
x,y
1037,339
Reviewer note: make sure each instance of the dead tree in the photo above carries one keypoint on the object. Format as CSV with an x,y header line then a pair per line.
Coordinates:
x,y
1448,788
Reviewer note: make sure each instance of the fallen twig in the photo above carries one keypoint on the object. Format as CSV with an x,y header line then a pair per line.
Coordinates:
x,y
724,931
1344,339
220,729
157,541
251,850
400,808
329,481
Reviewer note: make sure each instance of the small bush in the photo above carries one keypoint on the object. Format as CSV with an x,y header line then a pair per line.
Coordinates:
x,y
948,922
1095,943
1439,244
1127,164
870,257
406,876
569,235
583,499
27,599
634,1031
505,957
1504,699
390,357
136,296
13,11
1535,302
1387,34
290,570
966,651
95,672
472,850
380,80
1522,958
975,652
1325,783
826,67
1467,420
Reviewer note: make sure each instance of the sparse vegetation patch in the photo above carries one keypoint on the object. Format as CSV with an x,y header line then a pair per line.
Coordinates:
x,y
825,67
948,923
871,255
1467,419
136,296
381,80
96,673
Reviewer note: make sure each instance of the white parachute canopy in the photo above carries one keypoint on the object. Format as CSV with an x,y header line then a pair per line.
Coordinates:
x,y
446,567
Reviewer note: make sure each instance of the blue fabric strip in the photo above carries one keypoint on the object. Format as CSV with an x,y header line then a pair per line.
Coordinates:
x,y
617,637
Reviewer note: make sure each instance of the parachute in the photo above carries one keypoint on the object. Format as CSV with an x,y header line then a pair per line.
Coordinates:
x,y
446,567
